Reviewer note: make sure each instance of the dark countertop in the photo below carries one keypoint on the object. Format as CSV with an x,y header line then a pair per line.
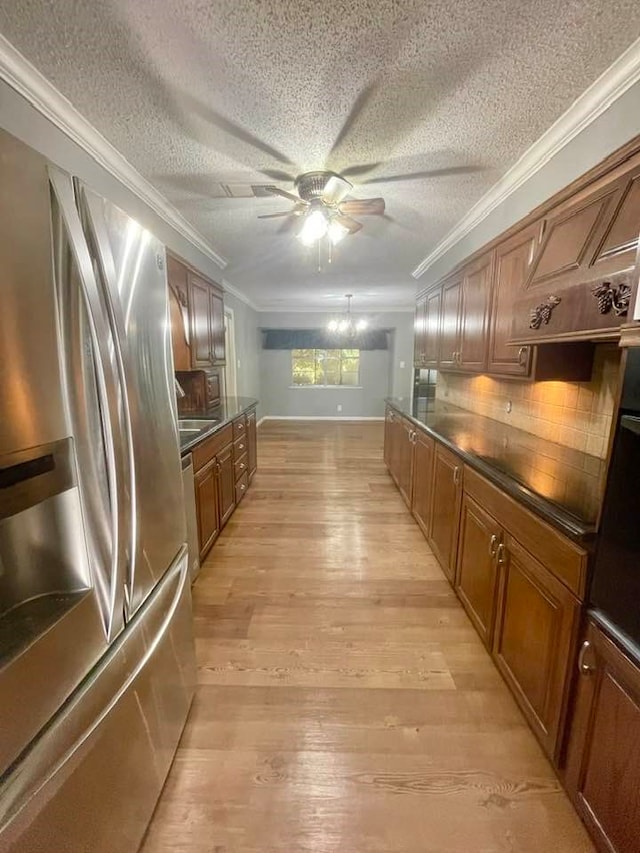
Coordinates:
x,y
229,409
562,485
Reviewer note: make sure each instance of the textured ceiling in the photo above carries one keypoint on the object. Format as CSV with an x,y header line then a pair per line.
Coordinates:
x,y
196,93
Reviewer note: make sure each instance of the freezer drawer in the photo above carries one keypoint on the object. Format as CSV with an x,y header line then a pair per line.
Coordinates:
x,y
91,781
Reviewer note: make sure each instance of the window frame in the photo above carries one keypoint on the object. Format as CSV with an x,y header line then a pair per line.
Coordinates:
x,y
317,362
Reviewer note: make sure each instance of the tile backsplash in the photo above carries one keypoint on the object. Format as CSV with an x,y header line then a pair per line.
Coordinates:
x,y
575,414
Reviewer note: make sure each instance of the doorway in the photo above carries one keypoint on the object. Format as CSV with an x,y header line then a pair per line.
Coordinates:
x,y
230,372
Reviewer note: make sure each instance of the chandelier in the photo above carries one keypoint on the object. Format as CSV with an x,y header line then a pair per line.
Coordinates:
x,y
346,325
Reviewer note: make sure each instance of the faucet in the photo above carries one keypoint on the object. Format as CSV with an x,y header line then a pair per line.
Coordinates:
x,y
180,392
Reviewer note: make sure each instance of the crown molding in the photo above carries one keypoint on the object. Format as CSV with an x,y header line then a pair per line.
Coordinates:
x,y
377,309
610,86
229,288
22,76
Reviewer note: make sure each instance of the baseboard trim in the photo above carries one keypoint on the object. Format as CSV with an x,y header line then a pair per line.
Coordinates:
x,y
316,418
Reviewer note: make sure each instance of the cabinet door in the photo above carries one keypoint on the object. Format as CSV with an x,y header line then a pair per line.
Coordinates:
x,y
433,302
207,510
216,308
394,444
252,444
423,452
179,314
226,484
450,323
474,314
534,640
603,766
445,514
405,460
477,570
388,436
200,307
418,333
513,262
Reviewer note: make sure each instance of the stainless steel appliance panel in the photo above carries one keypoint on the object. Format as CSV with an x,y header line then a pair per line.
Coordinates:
x,y
188,488
31,409
132,265
91,781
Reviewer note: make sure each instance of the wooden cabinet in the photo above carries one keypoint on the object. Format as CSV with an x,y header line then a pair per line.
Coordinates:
x,y
427,329
603,763
476,582
445,514
512,265
475,300
581,279
226,484
406,435
252,443
207,506
196,310
450,323
423,454
534,639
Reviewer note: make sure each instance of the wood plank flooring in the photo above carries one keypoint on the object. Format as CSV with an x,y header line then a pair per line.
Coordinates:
x,y
345,704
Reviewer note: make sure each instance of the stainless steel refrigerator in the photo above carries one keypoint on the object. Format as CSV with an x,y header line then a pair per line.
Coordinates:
x,y
97,663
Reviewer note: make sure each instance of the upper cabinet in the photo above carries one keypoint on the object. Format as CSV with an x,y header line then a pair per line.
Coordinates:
x,y
512,266
474,314
449,327
197,318
426,329
581,280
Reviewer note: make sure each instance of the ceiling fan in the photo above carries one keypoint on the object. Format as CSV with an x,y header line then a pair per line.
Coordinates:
x,y
322,202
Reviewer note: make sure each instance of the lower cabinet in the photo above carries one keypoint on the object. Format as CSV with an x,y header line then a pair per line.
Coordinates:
x,y
422,476
534,641
445,512
405,439
603,762
226,484
207,506
252,443
479,551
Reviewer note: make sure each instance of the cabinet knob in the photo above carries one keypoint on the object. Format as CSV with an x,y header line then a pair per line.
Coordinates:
x,y
493,545
242,465
585,668
242,487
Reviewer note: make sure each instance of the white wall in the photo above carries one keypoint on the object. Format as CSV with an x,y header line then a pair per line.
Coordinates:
x,y
248,344
380,372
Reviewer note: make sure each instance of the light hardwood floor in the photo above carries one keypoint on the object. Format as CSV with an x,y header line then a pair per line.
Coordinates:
x,y
344,702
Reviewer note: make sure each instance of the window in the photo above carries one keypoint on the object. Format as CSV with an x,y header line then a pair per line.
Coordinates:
x,y
325,367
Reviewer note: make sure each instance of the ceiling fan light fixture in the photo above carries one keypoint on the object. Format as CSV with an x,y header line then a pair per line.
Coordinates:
x,y
314,227
336,232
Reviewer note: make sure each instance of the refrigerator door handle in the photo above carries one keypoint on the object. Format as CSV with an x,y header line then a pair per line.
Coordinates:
x,y
111,396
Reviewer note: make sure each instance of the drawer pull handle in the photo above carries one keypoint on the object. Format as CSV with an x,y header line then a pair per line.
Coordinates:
x,y
585,668
242,487
523,352
500,554
493,546
456,475
242,465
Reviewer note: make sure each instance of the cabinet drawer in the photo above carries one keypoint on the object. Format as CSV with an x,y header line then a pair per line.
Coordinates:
x,y
241,466
205,451
558,554
239,447
241,487
239,428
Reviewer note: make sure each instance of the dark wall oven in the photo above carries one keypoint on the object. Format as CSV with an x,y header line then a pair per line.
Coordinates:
x,y
615,587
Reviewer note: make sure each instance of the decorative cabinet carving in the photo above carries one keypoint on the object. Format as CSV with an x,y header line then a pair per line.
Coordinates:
x,y
197,318
603,760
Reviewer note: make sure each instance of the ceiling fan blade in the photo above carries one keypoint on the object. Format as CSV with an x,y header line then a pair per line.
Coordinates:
x,y
287,225
347,222
285,194
362,169
335,190
362,207
430,173
358,106
278,175
276,215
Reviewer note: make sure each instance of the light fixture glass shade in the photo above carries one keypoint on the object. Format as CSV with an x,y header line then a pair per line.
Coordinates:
x,y
361,325
333,325
336,232
313,228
